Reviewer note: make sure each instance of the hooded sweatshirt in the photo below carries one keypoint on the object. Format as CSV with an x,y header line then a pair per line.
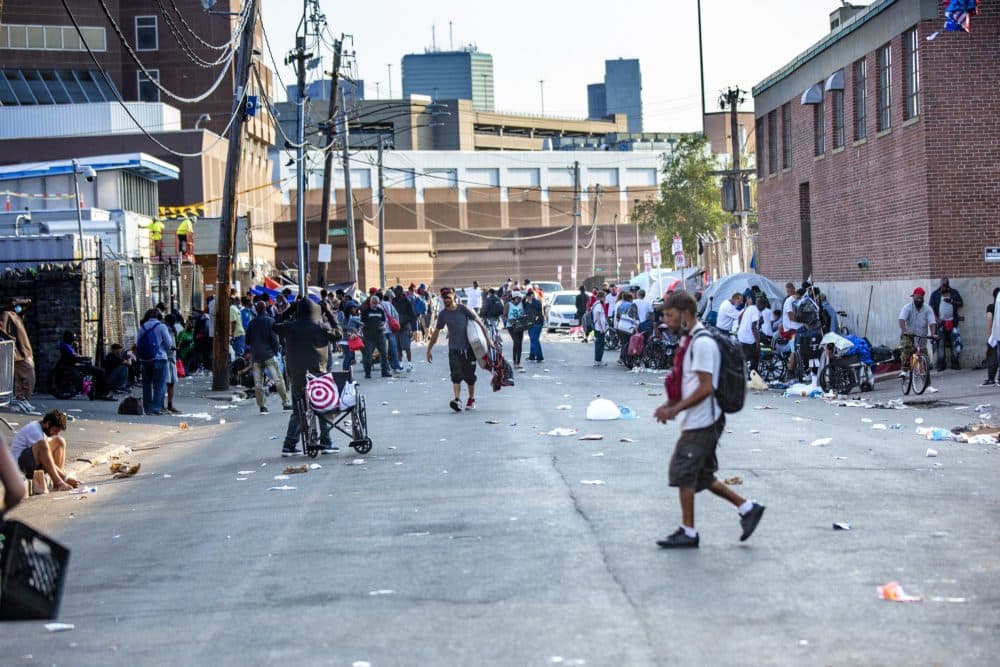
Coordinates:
x,y
306,338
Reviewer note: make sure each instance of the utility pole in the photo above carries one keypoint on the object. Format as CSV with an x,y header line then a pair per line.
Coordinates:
x,y
352,246
541,90
593,228
389,67
329,126
734,97
576,220
618,259
701,72
299,55
381,216
638,255
227,227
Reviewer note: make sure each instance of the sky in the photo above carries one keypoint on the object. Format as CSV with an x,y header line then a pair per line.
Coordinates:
x,y
566,44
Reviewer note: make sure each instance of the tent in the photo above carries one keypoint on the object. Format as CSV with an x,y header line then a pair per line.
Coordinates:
x,y
725,287
652,280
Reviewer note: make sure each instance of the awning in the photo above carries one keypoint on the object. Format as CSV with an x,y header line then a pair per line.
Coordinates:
x,y
813,95
835,81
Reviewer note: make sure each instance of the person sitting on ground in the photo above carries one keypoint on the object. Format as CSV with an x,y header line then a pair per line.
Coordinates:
x,y
10,478
116,367
38,445
307,338
68,358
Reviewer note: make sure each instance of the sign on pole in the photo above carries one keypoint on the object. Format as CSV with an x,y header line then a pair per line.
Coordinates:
x,y
647,259
325,253
680,261
559,273
678,245
655,245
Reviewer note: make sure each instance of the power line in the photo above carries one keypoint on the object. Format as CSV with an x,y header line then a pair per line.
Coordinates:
x,y
231,44
183,43
484,236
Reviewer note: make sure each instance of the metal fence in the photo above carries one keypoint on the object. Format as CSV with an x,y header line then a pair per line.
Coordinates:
x,y
6,372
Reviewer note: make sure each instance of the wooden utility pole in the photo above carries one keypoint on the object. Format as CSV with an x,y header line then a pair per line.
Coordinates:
x,y
352,245
227,226
733,97
330,128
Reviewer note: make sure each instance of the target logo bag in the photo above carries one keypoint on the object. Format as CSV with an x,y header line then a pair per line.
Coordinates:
x,y
322,392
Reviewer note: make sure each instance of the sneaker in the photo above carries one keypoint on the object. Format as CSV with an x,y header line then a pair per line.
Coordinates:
x,y
678,540
455,405
387,375
290,451
987,383
286,408
329,449
29,406
904,374
409,368
470,404
172,410
750,520
264,410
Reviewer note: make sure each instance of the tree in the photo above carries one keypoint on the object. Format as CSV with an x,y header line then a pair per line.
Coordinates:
x,y
689,200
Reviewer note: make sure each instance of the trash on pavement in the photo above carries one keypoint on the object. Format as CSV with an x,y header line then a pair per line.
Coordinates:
x,y
763,407
562,432
59,627
356,462
601,409
893,592
592,482
591,436
799,389
126,470
866,420
952,600
183,426
880,427
932,390
564,407
382,591
246,472
733,481
931,453
841,526
821,442
918,420
294,470
756,382
282,488
936,433
492,421
314,466
625,412
623,439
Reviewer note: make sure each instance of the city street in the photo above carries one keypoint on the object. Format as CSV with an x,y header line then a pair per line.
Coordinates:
x,y
477,539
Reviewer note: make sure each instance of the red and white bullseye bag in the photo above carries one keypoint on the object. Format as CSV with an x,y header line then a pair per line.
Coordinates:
x,y
322,392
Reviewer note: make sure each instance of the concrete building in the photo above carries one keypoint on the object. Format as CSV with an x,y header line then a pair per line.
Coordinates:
x,y
879,163
456,216
620,93
719,133
464,74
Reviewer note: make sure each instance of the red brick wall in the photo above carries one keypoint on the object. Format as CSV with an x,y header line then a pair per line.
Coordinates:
x,y
919,199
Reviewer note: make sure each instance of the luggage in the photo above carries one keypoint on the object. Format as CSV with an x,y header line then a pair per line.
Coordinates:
x,y
130,405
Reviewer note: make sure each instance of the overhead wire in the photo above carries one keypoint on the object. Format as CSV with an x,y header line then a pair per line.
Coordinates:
x,y
128,112
223,71
483,236
216,47
183,43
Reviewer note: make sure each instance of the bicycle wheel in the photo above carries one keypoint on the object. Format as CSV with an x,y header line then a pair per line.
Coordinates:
x,y
920,374
906,380
772,368
308,428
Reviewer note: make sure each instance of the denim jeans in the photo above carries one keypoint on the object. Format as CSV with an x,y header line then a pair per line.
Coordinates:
x,y
598,345
239,345
372,344
294,431
154,384
535,336
271,366
393,351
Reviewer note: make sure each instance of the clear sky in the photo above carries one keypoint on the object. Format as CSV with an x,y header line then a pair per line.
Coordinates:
x,y
565,44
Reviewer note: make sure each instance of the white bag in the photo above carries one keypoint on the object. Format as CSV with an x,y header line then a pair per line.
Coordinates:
x,y
627,324
349,396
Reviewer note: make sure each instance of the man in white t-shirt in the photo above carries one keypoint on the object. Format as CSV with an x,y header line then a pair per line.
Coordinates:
x,y
474,297
694,463
38,445
748,332
644,307
729,312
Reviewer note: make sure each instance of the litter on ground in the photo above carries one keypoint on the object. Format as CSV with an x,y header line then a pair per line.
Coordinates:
x,y
893,592
591,436
562,432
592,482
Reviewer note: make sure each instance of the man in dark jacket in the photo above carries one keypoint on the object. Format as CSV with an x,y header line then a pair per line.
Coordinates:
x,y
581,304
945,302
307,339
264,349
12,327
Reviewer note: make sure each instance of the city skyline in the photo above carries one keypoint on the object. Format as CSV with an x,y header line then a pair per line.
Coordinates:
x,y
544,56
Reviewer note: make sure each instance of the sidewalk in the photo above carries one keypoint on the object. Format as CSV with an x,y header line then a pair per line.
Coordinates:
x,y
98,432
958,387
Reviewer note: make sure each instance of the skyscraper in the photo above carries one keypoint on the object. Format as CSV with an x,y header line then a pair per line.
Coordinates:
x,y
621,92
449,75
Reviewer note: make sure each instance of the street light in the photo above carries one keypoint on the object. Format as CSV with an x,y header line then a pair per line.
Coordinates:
x,y
87,172
204,117
26,217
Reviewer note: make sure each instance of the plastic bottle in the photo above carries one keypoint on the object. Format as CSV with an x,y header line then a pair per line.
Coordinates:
x,y
939,434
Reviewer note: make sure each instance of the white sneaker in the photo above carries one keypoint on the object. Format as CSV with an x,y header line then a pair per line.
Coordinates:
x,y
409,368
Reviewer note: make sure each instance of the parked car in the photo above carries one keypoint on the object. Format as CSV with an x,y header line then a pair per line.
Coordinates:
x,y
562,311
548,291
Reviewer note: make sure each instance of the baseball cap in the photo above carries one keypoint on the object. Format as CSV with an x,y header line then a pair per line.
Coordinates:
x,y
372,290
516,294
919,292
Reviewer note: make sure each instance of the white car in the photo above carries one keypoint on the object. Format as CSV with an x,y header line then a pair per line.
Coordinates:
x,y
562,312
549,290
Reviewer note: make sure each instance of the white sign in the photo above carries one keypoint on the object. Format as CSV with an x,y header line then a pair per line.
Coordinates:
x,y
655,245
647,260
993,254
680,261
559,273
572,276
678,245
325,253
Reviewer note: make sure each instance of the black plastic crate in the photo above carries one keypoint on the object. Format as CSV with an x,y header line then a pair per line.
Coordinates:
x,y
32,573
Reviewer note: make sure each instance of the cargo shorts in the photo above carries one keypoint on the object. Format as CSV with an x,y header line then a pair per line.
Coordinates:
x,y
694,464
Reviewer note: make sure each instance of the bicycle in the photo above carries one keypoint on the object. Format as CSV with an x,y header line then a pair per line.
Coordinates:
x,y
919,377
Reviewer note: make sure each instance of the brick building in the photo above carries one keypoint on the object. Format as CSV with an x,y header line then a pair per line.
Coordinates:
x,y
878,163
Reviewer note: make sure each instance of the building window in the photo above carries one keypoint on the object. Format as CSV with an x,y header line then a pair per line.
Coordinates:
x,y
772,142
145,34
838,119
860,99
911,75
147,90
819,130
759,130
786,136
884,88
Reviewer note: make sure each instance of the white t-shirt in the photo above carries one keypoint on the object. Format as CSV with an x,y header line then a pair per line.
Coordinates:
x,y
600,318
26,437
745,333
609,299
767,326
786,311
728,314
702,355
946,310
644,307
474,298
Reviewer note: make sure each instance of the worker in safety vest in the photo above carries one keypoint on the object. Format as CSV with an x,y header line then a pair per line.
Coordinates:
x,y
156,236
185,235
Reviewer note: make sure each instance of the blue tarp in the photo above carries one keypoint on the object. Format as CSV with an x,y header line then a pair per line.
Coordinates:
x,y
861,348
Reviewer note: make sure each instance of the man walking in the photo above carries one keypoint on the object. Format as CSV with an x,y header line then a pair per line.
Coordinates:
x,y
474,297
461,358
152,343
694,463
264,349
307,338
600,319
12,327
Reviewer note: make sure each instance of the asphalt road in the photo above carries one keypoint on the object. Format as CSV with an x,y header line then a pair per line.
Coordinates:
x,y
460,542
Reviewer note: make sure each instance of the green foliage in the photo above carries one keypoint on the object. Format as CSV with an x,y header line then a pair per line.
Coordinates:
x,y
689,201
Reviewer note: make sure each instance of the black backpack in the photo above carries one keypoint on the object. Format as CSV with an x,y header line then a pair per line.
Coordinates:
x,y
732,389
807,313
494,307
130,405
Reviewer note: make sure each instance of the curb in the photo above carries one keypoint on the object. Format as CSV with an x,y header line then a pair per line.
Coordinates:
x,y
90,459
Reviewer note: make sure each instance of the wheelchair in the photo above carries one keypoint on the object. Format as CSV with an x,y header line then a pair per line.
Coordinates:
x,y
352,420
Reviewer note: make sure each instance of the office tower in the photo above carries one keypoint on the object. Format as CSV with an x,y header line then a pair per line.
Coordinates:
x,y
623,90
451,75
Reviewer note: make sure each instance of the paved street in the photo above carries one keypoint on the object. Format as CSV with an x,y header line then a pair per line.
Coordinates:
x,y
462,542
